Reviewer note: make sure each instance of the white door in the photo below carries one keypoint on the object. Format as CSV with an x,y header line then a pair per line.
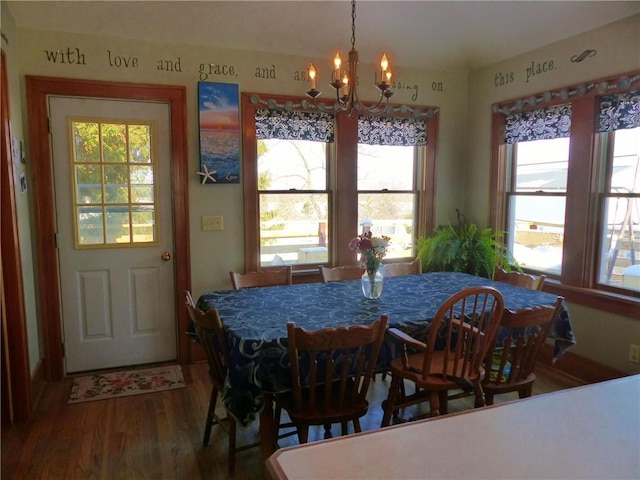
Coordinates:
x,y
115,238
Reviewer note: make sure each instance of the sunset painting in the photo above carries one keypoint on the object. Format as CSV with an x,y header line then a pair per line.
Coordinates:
x,y
219,132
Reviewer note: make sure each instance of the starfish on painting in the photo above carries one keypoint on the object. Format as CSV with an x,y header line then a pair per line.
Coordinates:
x,y
207,175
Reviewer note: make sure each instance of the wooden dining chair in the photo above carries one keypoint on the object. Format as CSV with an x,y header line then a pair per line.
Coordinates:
x,y
210,334
262,278
519,279
459,336
346,272
510,361
331,372
402,268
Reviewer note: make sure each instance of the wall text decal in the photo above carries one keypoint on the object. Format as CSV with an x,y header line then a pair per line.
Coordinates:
x,y
121,61
266,72
71,56
170,65
217,69
502,78
536,68
583,55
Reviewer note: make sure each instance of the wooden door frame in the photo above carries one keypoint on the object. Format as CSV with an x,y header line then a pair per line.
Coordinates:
x,y
47,288
17,399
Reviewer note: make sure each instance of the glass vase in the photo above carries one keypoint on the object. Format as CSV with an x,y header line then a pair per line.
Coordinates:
x,y
372,284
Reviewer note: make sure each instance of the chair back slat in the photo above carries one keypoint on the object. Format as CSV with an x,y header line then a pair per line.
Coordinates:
x,y
262,278
461,331
519,279
402,268
332,368
513,355
336,274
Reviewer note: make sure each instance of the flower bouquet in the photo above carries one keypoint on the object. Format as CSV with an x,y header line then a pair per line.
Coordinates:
x,y
372,250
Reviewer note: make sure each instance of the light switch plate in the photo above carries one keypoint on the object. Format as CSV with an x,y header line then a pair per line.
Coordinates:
x,y
212,222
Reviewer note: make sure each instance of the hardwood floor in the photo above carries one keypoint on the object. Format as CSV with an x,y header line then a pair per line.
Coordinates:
x,y
157,435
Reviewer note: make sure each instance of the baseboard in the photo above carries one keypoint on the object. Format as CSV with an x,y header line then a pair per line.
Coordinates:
x,y
38,384
582,368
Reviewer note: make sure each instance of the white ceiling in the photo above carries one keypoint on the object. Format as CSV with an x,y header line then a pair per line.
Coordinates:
x,y
439,35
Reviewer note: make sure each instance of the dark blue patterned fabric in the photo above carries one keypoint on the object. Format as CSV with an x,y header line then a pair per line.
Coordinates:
x,y
255,322
398,131
543,124
295,125
620,111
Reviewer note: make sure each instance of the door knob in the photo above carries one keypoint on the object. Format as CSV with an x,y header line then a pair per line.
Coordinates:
x,y
166,256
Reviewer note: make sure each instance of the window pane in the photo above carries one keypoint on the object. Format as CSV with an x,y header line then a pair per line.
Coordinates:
x,y
86,141
143,222
382,166
116,183
141,184
293,229
542,165
118,224
88,184
90,228
620,251
292,164
625,175
140,143
536,225
389,214
114,143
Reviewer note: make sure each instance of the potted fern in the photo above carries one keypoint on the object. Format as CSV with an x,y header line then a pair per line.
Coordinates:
x,y
464,248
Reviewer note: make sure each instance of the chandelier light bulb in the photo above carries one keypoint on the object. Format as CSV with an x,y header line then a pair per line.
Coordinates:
x,y
312,76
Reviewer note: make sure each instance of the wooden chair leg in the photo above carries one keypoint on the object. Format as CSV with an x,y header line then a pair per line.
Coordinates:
x,y
434,404
443,401
327,431
210,416
303,433
488,398
356,425
388,405
231,462
479,393
345,428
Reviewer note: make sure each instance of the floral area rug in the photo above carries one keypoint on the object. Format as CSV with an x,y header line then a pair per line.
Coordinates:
x,y
131,382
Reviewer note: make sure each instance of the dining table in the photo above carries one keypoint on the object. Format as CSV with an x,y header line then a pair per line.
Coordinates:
x,y
255,323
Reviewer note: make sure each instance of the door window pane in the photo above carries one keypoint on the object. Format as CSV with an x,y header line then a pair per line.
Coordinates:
x,y
114,173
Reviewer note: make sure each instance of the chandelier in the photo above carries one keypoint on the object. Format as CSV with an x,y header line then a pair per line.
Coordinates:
x,y
344,81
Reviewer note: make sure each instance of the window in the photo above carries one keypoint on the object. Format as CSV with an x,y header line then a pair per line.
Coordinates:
x,y
566,173
313,180
113,184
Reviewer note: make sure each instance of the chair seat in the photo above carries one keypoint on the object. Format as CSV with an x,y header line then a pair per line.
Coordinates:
x,y
435,380
332,412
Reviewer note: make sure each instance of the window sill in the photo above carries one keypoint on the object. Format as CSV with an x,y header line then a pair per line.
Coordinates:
x,y
626,306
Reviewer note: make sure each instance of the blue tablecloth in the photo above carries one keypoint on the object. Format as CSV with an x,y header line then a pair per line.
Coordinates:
x,y
255,322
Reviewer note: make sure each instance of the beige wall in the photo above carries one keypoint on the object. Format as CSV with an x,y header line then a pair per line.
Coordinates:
x,y
213,254
601,336
23,200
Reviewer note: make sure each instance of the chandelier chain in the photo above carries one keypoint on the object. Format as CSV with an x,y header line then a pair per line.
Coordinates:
x,y
353,24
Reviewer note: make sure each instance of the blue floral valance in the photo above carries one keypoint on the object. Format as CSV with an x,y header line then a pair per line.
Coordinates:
x,y
295,125
619,111
392,131
543,124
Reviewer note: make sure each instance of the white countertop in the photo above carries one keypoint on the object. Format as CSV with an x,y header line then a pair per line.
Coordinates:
x,y
590,432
